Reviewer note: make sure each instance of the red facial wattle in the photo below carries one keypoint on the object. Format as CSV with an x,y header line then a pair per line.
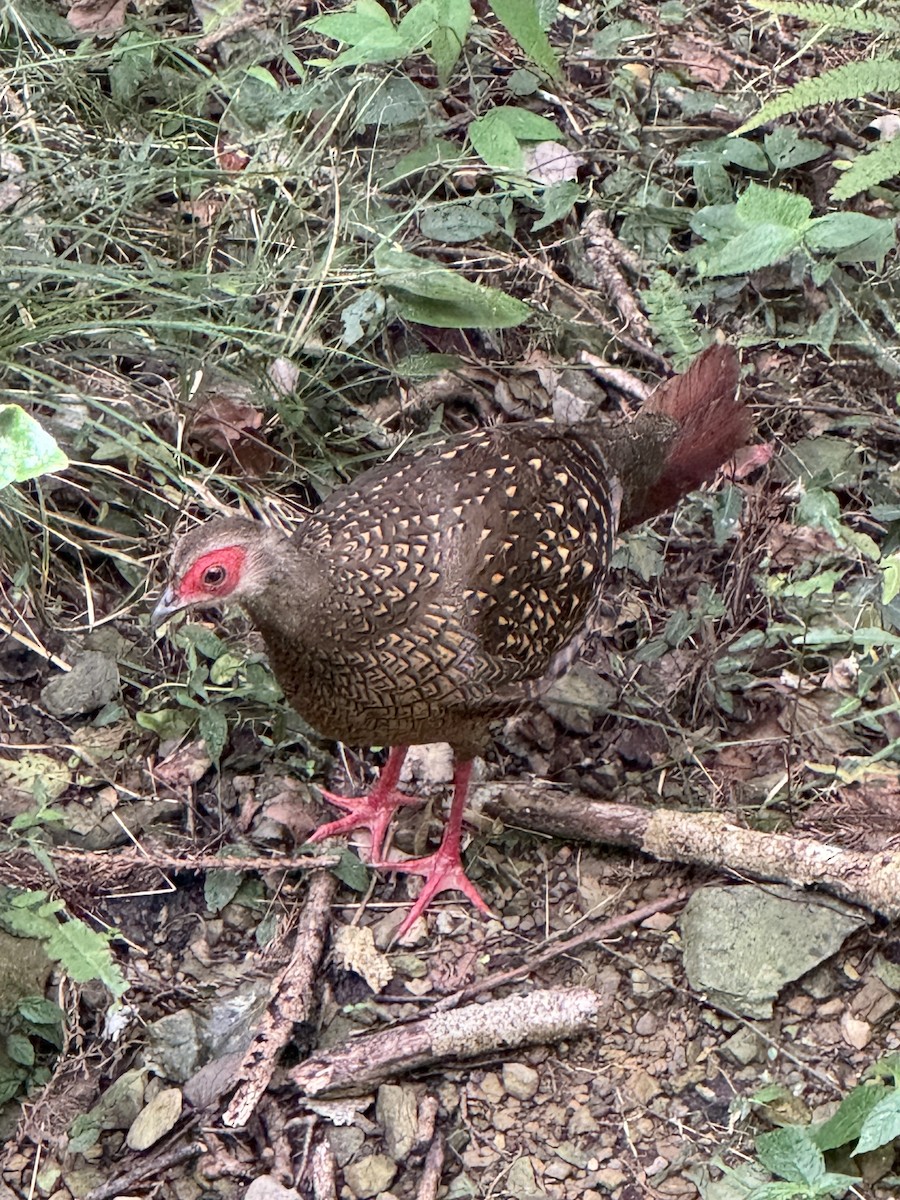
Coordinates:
x,y
213,576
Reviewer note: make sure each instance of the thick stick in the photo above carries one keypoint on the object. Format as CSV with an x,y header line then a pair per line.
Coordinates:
x,y
294,993
358,1065
707,839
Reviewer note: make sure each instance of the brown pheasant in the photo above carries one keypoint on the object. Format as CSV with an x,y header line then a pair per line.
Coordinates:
x,y
438,593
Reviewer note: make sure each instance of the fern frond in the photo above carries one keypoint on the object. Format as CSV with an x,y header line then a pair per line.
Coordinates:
x,y
857,20
851,81
870,169
671,320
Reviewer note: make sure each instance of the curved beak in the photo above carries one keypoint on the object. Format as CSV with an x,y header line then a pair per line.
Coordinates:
x,y
165,606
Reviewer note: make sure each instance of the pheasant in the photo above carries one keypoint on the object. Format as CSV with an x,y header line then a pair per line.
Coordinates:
x,y
445,590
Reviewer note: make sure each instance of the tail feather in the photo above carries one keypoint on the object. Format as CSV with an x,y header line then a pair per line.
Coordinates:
x,y
706,426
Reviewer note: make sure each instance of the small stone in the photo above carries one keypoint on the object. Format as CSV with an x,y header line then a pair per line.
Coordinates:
x,y
557,1170
267,1187
643,1087
520,1080
491,1087
156,1120
742,1047
520,1180
582,1120
397,1111
92,682
345,1142
646,1024
373,1174
609,1178
855,1033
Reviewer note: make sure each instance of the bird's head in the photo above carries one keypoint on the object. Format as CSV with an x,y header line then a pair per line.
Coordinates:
x,y
226,560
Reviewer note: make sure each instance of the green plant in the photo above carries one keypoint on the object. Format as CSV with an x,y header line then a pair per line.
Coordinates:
x,y
850,81
83,953
26,449
31,1036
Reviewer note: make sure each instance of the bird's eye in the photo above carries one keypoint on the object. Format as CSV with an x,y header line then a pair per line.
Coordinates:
x,y
213,576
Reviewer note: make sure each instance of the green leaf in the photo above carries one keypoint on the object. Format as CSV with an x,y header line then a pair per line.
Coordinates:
x,y
787,149
40,1011
557,201
878,164
762,205
857,18
213,728
220,887
20,1049
352,872
522,21
791,1154
454,18
762,246
455,222
26,451
846,1124
497,136
890,578
353,25
132,66
436,296
882,1124
84,955
608,41
837,231
852,81
496,143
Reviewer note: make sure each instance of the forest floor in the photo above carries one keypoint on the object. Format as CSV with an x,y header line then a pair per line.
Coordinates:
x,y
198,313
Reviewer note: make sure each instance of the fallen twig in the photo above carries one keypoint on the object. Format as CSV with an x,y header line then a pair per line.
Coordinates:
x,y
292,1000
708,839
153,1167
364,1062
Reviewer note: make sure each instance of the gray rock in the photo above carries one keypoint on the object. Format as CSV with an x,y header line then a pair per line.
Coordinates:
x,y
267,1187
743,944
345,1142
397,1111
578,698
173,1045
742,1047
92,682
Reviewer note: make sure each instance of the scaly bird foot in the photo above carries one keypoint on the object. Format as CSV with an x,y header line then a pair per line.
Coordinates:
x,y
373,811
443,872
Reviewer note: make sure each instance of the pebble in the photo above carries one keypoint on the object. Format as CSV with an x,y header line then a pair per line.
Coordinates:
x,y
520,1080
373,1174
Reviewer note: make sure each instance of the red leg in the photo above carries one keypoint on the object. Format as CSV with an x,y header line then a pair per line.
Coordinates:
x,y
372,811
443,871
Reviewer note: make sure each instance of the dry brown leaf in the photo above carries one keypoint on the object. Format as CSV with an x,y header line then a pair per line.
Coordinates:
x,y
228,423
701,62
97,16
184,767
789,545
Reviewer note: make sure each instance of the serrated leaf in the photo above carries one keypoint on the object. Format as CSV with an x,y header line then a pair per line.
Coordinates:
x,y
791,1154
20,1049
436,296
881,1125
845,1125
40,1011
522,21
26,450
878,164
213,727
773,206
84,955
762,246
851,81
220,887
